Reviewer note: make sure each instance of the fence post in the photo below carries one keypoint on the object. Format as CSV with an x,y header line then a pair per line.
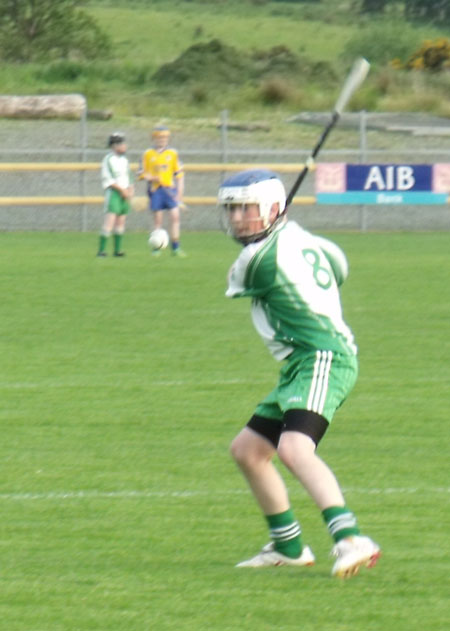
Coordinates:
x,y
83,143
362,159
224,138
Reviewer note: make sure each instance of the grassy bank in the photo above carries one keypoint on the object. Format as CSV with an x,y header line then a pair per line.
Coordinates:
x,y
259,60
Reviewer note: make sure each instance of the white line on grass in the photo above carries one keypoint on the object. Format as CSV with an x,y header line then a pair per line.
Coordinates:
x,y
81,495
154,384
75,495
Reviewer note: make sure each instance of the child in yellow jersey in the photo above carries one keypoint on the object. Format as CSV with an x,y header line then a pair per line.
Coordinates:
x,y
162,169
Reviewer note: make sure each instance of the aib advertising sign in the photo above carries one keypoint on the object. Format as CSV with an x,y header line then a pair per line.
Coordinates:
x,y
340,183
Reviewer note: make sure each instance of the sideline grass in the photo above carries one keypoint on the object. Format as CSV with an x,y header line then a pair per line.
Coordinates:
x,y
123,382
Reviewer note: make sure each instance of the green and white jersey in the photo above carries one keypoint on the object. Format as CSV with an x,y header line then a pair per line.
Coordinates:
x,y
295,295
116,170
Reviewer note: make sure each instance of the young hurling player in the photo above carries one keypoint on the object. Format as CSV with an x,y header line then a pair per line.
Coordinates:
x,y
162,169
117,184
292,278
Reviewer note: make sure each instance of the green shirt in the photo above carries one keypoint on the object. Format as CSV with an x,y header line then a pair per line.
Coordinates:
x,y
295,297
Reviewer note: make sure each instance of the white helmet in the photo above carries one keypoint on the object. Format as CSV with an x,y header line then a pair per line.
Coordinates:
x,y
254,186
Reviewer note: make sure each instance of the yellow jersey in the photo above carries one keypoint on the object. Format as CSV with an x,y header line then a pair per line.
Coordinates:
x,y
165,164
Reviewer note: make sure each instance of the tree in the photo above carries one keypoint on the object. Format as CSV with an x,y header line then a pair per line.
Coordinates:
x,y
432,10
373,6
37,30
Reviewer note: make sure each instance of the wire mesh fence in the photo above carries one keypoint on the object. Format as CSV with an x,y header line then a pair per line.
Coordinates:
x,y
361,138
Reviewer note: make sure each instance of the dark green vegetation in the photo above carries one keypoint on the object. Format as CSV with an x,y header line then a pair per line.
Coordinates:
x,y
123,382
47,30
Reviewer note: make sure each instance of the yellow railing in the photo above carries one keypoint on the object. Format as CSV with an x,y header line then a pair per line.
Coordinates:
x,y
20,167
97,199
193,168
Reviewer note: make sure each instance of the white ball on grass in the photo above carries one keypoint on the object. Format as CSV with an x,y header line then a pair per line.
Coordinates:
x,y
159,239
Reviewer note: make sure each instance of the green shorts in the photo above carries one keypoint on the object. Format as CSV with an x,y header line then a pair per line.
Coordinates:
x,y
319,381
115,203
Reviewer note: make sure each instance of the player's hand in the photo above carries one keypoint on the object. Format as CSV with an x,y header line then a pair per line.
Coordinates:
x,y
127,193
148,177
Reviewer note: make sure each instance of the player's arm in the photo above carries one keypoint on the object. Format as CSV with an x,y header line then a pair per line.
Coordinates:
x,y
130,188
109,179
107,173
126,193
178,175
140,169
146,172
335,257
235,279
250,276
179,183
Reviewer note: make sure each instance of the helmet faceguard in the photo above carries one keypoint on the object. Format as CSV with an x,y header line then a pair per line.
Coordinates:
x,y
255,186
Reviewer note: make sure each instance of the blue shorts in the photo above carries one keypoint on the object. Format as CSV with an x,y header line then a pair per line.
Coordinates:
x,y
164,198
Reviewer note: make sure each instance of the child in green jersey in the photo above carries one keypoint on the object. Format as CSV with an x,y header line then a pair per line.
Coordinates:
x,y
118,187
292,278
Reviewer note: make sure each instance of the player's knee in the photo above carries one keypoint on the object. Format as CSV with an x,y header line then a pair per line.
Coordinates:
x,y
285,453
119,230
295,448
249,454
243,454
237,451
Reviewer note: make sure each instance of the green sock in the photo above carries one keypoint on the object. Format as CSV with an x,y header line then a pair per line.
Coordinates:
x,y
285,533
340,522
118,243
102,243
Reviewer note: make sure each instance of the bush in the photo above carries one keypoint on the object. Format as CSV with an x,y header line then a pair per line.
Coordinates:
x,y
275,90
433,55
65,71
212,61
379,43
199,94
61,71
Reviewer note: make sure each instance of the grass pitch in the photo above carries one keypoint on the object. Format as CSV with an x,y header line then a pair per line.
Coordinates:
x,y
122,383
